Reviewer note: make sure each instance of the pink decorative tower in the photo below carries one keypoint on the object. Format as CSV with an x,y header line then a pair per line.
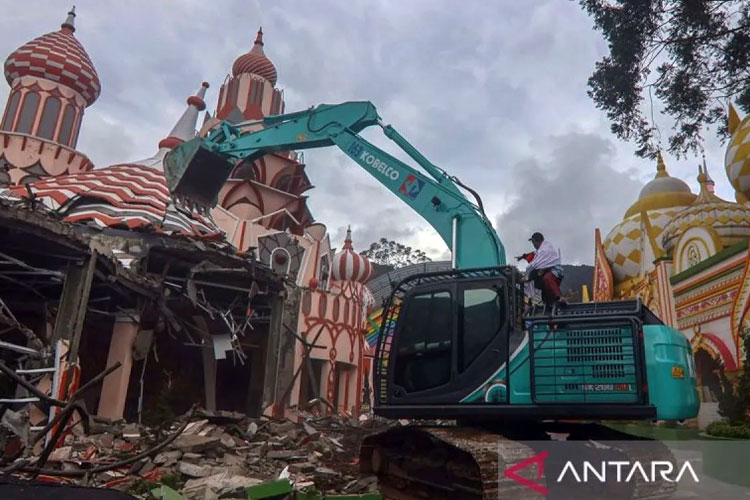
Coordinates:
x,y
52,81
269,191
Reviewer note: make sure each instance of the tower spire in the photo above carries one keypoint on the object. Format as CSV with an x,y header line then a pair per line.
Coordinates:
x,y
184,129
70,20
661,168
709,181
348,239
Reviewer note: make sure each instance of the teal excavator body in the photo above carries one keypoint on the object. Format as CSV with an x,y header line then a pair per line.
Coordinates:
x,y
456,344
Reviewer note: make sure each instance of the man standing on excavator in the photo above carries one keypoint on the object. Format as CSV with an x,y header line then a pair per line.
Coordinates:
x,y
544,269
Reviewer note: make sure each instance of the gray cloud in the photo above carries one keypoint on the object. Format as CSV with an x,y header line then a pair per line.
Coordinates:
x,y
565,193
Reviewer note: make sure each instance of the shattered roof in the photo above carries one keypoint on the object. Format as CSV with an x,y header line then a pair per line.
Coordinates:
x,y
130,196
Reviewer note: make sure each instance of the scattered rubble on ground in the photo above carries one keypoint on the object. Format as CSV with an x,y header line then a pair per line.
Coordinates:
x,y
216,455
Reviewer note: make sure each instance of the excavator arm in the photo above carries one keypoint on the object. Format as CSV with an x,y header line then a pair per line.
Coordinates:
x,y
204,164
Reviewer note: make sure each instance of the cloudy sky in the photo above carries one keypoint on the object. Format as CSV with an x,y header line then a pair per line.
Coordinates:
x,y
494,92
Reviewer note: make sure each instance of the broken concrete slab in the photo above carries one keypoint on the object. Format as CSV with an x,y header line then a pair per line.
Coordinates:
x,y
195,443
284,454
301,467
252,428
168,458
195,470
192,458
61,454
131,432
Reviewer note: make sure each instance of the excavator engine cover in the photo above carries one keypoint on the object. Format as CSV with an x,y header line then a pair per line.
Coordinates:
x,y
196,173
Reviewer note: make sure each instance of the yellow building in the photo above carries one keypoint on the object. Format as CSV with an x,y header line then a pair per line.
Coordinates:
x,y
686,256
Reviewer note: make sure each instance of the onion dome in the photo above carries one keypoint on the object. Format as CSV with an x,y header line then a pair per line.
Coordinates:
x,y
132,196
737,158
56,56
660,199
348,265
255,62
729,222
663,191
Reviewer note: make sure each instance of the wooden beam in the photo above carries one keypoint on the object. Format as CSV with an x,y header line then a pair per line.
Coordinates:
x,y
71,312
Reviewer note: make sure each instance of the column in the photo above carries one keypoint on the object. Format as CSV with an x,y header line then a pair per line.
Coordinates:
x,y
115,386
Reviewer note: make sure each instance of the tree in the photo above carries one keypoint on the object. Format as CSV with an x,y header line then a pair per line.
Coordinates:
x,y
734,398
391,253
693,56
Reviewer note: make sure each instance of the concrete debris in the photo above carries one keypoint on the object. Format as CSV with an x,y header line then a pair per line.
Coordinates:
x,y
61,454
195,470
220,455
194,443
252,428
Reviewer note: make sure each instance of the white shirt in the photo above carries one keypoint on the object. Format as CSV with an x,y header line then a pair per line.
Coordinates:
x,y
545,257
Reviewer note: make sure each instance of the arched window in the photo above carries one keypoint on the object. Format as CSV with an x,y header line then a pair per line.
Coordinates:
x,y
693,255
281,261
76,129
50,113
28,113
67,125
10,110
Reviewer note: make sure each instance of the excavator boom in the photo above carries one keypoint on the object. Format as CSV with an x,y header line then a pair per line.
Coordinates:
x,y
199,167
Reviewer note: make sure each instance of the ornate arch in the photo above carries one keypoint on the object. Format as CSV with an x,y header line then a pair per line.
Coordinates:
x,y
694,246
715,347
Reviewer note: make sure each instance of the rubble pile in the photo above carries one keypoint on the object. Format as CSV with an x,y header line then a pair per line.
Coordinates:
x,y
216,454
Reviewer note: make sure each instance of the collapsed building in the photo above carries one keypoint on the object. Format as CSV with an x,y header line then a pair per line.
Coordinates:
x,y
243,305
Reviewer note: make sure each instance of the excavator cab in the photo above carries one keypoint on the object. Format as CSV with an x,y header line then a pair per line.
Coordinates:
x,y
459,345
452,329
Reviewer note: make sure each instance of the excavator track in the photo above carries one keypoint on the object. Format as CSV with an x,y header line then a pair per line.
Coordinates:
x,y
444,463
438,463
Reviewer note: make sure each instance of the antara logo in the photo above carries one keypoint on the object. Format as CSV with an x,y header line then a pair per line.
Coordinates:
x,y
660,470
618,471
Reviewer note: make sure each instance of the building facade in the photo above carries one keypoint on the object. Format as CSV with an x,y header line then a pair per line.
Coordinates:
x,y
685,255
255,273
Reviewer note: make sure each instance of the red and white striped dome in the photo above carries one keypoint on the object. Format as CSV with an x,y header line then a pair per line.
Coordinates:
x,y
56,56
348,265
130,195
255,62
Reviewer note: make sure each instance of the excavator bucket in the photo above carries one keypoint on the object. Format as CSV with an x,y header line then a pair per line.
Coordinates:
x,y
196,173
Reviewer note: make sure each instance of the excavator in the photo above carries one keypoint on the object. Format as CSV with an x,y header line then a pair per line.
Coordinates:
x,y
481,382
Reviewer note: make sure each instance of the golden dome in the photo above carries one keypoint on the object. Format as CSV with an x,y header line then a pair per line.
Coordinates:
x,y
737,158
730,221
660,200
624,244
663,191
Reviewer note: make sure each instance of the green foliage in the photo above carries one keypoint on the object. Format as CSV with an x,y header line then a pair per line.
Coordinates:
x,y
391,253
142,487
734,398
692,56
728,430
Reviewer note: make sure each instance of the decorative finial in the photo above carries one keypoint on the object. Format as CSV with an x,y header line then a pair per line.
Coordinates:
x,y
348,239
701,176
197,99
70,20
259,38
184,129
661,168
709,181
